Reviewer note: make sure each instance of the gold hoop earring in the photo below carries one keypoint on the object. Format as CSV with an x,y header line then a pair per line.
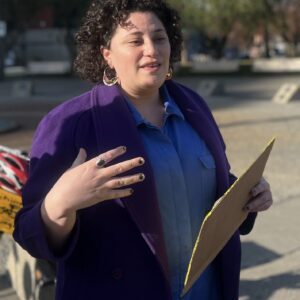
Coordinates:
x,y
109,81
169,74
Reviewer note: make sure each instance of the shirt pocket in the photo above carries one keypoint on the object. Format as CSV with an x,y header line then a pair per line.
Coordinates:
x,y
207,161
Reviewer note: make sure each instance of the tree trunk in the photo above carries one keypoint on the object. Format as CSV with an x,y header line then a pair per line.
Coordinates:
x,y
267,39
184,55
2,51
221,47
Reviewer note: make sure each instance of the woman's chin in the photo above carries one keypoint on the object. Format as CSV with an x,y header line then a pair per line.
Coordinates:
x,y
153,82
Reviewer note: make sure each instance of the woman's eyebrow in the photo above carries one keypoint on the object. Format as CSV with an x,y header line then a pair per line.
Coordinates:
x,y
138,33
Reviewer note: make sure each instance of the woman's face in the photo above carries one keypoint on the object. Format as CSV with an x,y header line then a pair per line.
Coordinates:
x,y
139,52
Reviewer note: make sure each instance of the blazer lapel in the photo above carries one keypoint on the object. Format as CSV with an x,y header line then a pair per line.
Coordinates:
x,y
116,127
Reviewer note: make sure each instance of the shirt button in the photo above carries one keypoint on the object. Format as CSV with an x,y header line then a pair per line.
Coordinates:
x,y
117,273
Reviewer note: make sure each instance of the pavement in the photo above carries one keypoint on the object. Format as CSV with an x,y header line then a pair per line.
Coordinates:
x,y
248,119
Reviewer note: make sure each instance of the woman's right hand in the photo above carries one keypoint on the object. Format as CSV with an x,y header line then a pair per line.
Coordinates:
x,y
83,185
86,184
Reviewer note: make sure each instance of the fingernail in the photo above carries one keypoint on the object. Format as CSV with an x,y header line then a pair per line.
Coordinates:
x,y
142,177
141,161
124,148
131,191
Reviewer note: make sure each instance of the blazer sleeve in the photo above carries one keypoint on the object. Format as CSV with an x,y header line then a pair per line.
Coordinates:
x,y
52,153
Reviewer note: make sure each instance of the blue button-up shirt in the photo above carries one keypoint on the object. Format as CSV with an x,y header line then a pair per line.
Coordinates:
x,y
184,172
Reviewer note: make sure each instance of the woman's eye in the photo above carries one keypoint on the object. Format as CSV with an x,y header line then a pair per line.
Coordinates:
x,y
160,39
135,42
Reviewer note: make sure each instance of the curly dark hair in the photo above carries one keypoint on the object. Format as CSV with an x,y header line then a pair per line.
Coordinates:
x,y
100,23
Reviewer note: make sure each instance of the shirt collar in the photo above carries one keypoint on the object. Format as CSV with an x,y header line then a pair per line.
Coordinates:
x,y
171,108
170,105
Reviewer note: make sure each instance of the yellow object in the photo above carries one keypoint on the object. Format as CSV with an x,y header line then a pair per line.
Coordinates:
x,y
10,204
224,219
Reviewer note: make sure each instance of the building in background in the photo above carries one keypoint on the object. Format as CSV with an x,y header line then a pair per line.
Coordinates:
x,y
40,35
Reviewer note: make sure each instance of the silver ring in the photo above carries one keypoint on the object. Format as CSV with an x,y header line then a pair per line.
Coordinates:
x,y
100,162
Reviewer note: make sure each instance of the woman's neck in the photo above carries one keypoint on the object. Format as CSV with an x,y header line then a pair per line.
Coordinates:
x,y
149,105
143,98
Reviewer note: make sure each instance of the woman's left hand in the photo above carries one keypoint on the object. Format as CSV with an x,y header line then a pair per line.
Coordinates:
x,y
261,197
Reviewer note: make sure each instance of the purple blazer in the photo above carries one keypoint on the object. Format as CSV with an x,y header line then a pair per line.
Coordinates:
x,y
117,248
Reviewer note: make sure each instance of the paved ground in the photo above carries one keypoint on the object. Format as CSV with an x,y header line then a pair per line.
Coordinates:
x,y
271,253
247,119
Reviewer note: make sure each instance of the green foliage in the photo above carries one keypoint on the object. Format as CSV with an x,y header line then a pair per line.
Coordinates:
x,y
213,18
190,12
219,16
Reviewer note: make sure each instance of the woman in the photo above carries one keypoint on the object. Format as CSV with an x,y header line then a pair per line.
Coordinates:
x,y
122,176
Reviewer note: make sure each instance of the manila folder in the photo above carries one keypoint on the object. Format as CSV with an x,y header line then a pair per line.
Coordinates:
x,y
224,219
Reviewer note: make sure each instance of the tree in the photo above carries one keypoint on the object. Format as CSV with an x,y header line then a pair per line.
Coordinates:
x,y
216,19
190,13
219,19
190,18
287,23
259,14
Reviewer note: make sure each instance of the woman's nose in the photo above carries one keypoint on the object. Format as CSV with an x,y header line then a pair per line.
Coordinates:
x,y
150,48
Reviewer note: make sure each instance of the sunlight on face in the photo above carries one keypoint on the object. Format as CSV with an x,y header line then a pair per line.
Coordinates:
x,y
139,52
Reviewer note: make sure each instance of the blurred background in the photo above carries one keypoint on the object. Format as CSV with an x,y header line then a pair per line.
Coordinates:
x,y
242,56
34,33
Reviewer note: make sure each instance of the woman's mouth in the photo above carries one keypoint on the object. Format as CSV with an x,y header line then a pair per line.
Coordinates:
x,y
151,66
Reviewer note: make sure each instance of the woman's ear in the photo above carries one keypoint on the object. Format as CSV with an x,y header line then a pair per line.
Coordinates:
x,y
106,55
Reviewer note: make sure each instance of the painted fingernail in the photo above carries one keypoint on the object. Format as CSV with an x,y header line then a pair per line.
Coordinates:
x,y
141,177
141,161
